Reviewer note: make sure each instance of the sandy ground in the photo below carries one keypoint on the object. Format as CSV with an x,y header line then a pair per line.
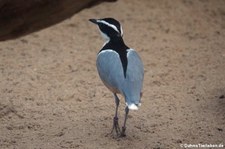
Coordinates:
x,y
51,96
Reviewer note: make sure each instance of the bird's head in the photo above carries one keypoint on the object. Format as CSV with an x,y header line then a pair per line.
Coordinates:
x,y
109,28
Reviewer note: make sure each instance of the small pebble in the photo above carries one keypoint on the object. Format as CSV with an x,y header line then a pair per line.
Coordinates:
x,y
219,129
221,97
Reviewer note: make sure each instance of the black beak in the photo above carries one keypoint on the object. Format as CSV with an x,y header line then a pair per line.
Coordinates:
x,y
93,21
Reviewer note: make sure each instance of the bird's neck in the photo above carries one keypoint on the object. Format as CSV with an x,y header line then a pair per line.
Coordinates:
x,y
116,40
116,44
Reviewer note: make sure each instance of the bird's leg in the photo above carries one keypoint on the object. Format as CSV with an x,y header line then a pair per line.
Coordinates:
x,y
124,124
115,119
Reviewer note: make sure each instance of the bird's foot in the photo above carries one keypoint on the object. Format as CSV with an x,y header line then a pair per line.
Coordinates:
x,y
116,126
122,134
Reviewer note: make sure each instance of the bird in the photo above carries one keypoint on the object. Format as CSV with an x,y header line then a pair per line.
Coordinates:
x,y
120,69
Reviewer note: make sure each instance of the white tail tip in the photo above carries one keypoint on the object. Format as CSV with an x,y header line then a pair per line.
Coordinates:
x,y
132,107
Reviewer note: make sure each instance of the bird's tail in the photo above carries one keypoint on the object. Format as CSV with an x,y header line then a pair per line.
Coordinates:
x,y
134,106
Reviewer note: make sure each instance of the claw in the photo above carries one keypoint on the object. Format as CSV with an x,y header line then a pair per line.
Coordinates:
x,y
122,134
116,126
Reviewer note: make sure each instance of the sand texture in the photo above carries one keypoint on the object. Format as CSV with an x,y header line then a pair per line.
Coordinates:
x,y
51,96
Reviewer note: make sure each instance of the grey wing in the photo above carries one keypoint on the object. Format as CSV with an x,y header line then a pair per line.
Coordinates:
x,y
134,81
110,70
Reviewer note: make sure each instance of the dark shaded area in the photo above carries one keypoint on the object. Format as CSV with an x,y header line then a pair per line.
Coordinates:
x,y
21,17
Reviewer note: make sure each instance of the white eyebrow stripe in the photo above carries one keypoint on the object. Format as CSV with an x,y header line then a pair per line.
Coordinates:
x,y
121,30
108,24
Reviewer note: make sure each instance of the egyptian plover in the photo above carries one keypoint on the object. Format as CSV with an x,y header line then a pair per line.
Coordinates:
x,y
120,68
